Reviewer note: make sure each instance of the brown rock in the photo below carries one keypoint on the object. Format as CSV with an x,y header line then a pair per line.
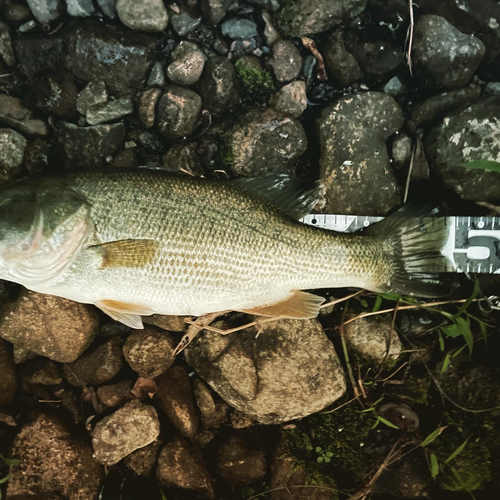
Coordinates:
x,y
147,106
212,409
114,395
50,326
165,322
142,461
42,371
8,380
286,61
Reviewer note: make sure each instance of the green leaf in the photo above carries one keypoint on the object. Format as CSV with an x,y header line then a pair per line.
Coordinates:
x,y
318,449
378,302
11,461
391,296
163,497
446,363
453,331
386,422
5,479
363,303
434,465
441,341
432,436
464,325
456,452
468,302
493,166
458,477
329,454
327,460
320,460
482,327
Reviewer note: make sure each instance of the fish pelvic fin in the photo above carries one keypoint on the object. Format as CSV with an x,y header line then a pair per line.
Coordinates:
x,y
298,305
415,240
128,314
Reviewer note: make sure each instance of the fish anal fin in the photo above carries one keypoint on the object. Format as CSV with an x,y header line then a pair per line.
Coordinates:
x,y
299,305
128,314
127,253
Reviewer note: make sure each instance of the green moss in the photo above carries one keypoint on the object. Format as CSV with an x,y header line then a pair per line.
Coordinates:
x,y
257,84
226,153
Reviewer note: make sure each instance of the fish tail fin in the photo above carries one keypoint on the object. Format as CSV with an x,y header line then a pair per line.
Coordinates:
x,y
415,240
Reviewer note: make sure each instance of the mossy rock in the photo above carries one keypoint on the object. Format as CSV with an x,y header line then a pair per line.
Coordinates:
x,y
257,83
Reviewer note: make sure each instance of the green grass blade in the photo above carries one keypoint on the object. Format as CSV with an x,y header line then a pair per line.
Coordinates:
x,y
386,422
456,452
432,436
492,166
378,303
434,465
468,302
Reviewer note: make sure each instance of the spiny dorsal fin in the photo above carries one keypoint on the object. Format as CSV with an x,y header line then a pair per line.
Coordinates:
x,y
286,192
127,253
300,305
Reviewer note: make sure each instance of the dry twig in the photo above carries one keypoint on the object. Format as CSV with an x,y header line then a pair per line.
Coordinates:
x,y
409,38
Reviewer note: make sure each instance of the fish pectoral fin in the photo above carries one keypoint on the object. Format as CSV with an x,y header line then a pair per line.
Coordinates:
x,y
127,253
300,305
128,314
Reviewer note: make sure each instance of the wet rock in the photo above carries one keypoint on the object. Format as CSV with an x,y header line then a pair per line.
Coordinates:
x,y
157,75
239,29
402,152
97,366
118,57
240,459
178,112
79,8
42,372
213,410
114,395
492,88
308,17
219,86
14,114
270,32
133,426
147,106
108,7
36,156
45,11
444,57
438,105
94,93
394,14
181,465
288,372
341,65
186,67
354,162
53,92
109,111
291,99
147,15
12,150
174,396
6,52
184,22
149,352
166,322
184,157
286,61
264,141
16,13
395,87
214,10
467,134
369,337
50,326
98,142
8,380
53,462
142,461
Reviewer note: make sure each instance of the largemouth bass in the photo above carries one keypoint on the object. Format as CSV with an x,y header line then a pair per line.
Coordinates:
x,y
141,242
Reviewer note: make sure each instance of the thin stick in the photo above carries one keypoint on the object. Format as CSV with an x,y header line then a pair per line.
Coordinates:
x,y
394,372
339,407
336,301
409,37
389,340
408,178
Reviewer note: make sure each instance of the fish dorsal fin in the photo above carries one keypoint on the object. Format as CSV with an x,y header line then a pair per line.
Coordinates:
x,y
127,253
128,314
300,305
284,191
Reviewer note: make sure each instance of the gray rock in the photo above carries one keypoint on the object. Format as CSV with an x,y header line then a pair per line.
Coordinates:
x,y
214,10
142,461
468,134
444,57
109,111
239,29
369,338
402,151
355,164
291,99
118,57
213,410
187,69
80,8
341,65
492,88
8,379
12,149
146,15
178,112
94,93
53,92
50,326
133,426
438,105
289,371
181,465
264,141
108,7
184,22
174,397
147,106
286,62
45,11
96,366
98,142
219,86
184,157
270,32
395,87
16,13
157,75
308,17
27,27
54,463
14,114
114,395
6,51
36,156
241,459
149,352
